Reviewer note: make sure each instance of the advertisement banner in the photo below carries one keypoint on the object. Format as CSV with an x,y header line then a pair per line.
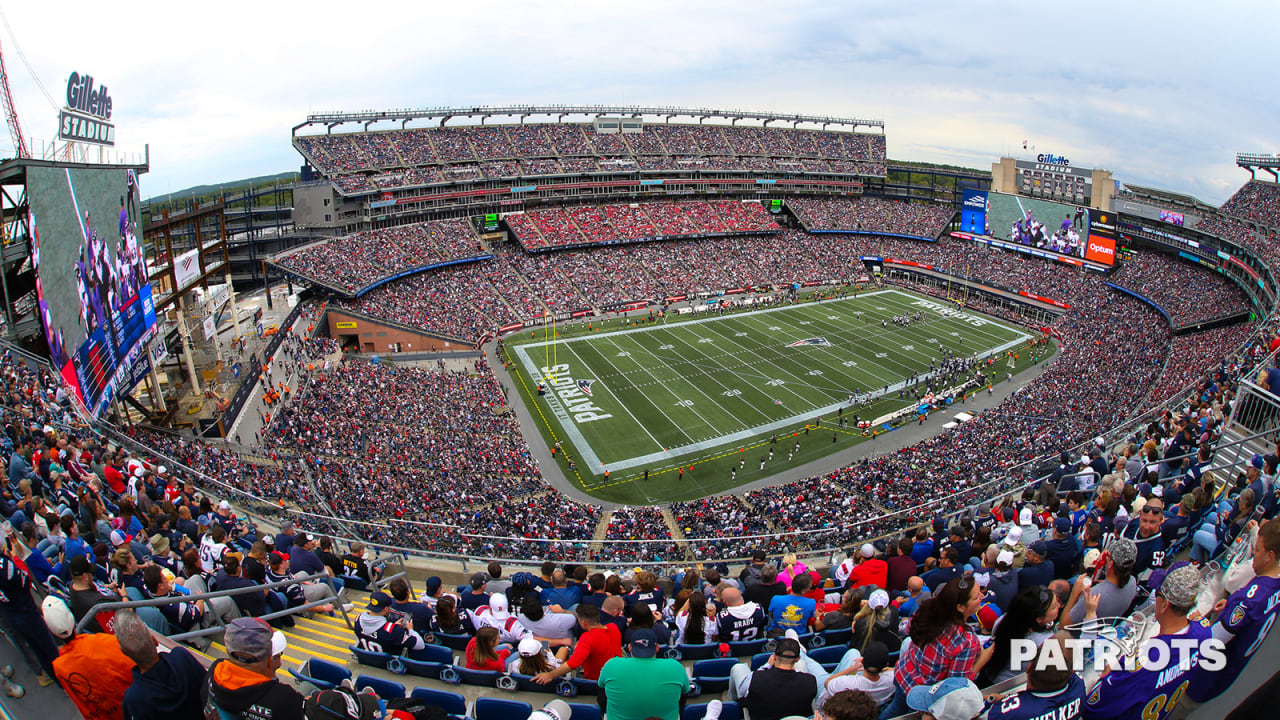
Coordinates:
x,y
186,269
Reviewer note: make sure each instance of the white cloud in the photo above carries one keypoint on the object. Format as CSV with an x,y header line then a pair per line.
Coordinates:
x,y
1160,95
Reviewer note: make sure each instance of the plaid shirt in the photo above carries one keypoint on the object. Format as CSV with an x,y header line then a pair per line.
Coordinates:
x,y
952,654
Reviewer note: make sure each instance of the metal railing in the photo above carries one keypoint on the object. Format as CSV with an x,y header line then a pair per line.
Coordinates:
x,y
220,622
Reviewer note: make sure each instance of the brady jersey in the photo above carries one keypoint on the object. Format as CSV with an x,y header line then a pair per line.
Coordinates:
x,y
731,627
510,629
1064,704
1245,621
1148,693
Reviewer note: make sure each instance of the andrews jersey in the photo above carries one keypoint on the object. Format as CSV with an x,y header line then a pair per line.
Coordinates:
x,y
1148,693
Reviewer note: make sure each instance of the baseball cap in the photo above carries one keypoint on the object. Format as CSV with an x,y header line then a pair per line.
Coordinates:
x,y
1039,547
248,640
1024,517
162,470
1007,513
279,643
433,584
788,648
58,617
1091,557
118,538
205,520
1180,587
1257,461
758,555
554,710
269,540
1062,525
867,550
939,524
875,656
498,606
982,579
379,600
1005,558
644,644
529,647
878,599
80,565
1014,537
1123,552
1157,491
224,505
478,580
342,703
951,699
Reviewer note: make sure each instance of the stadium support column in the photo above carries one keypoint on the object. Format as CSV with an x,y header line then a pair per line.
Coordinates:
x,y
235,311
186,349
226,258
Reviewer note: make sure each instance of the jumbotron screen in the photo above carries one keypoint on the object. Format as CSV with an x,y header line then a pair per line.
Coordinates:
x,y
91,278
1072,230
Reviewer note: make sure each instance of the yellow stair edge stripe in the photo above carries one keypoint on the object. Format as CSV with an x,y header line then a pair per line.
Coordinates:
x,y
325,650
297,631
322,656
336,622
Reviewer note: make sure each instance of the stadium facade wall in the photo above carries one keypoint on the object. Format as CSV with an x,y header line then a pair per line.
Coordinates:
x,y
382,338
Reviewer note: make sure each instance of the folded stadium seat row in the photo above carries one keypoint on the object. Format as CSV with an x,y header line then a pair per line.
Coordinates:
x,y
498,708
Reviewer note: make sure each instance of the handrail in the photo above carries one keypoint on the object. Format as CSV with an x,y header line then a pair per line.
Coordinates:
x,y
169,600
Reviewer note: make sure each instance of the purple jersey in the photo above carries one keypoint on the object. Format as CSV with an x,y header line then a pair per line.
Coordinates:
x,y
1247,618
1064,704
1148,693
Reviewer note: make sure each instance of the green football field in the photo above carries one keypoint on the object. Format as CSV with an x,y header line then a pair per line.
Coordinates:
x,y
676,410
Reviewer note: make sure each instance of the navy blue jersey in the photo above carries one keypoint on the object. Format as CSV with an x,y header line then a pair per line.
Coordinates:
x,y
1148,693
15,586
376,634
1064,704
744,622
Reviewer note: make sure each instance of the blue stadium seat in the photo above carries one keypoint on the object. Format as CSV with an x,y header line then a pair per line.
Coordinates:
x,y
746,648
331,673
482,678
713,675
297,675
828,656
453,642
421,669
836,637
583,711
759,659
372,659
451,702
730,711
694,652
498,709
385,689
435,654
525,683
586,687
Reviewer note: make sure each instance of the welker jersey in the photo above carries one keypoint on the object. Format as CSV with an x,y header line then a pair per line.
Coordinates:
x,y
1064,704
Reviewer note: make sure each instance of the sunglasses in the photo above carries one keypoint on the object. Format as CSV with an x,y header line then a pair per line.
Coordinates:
x,y
1152,510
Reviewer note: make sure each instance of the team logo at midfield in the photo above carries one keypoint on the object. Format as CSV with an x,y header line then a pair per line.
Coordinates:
x,y
809,341
585,386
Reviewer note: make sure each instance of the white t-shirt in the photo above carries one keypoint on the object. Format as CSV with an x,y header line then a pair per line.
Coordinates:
x,y
880,689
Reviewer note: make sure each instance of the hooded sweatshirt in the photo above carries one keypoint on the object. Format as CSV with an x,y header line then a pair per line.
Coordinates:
x,y
741,622
170,689
243,692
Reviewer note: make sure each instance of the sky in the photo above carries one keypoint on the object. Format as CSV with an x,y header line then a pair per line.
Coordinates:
x,y
1162,94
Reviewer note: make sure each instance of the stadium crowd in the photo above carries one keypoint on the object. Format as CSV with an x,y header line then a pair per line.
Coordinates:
x,y
1190,293
872,215
1256,202
587,224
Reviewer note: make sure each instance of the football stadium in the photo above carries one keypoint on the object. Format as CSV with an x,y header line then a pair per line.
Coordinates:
x,y
569,412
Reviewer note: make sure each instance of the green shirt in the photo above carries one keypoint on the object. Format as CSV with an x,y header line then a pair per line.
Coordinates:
x,y
639,688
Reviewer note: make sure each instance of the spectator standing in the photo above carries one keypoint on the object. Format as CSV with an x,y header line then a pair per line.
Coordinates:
x,y
643,685
793,611
24,617
90,667
598,644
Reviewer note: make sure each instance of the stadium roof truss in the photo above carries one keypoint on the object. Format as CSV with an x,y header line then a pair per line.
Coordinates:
x,y
560,112
1253,162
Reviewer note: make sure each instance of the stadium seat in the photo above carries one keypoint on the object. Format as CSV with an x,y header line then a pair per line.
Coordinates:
x,y
451,702
730,711
713,675
828,656
487,708
694,652
418,668
836,637
746,648
327,672
481,678
525,683
301,677
583,711
372,659
759,659
385,689
453,642
585,687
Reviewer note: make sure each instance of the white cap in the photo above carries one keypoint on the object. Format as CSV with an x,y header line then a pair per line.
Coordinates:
x,y
983,579
278,642
878,599
1091,557
1158,491
554,710
162,470
867,550
224,505
498,606
529,647
1014,537
58,617
1024,517
1005,558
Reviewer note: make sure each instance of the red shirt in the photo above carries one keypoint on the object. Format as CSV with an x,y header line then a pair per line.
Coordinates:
x,y
595,648
500,664
872,571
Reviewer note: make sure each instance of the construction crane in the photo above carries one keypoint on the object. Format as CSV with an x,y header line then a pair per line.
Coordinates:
x,y
11,114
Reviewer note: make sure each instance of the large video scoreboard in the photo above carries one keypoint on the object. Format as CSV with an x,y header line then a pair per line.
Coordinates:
x,y
91,279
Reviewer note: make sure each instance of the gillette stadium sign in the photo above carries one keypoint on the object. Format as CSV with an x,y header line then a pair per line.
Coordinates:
x,y
86,116
1051,159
